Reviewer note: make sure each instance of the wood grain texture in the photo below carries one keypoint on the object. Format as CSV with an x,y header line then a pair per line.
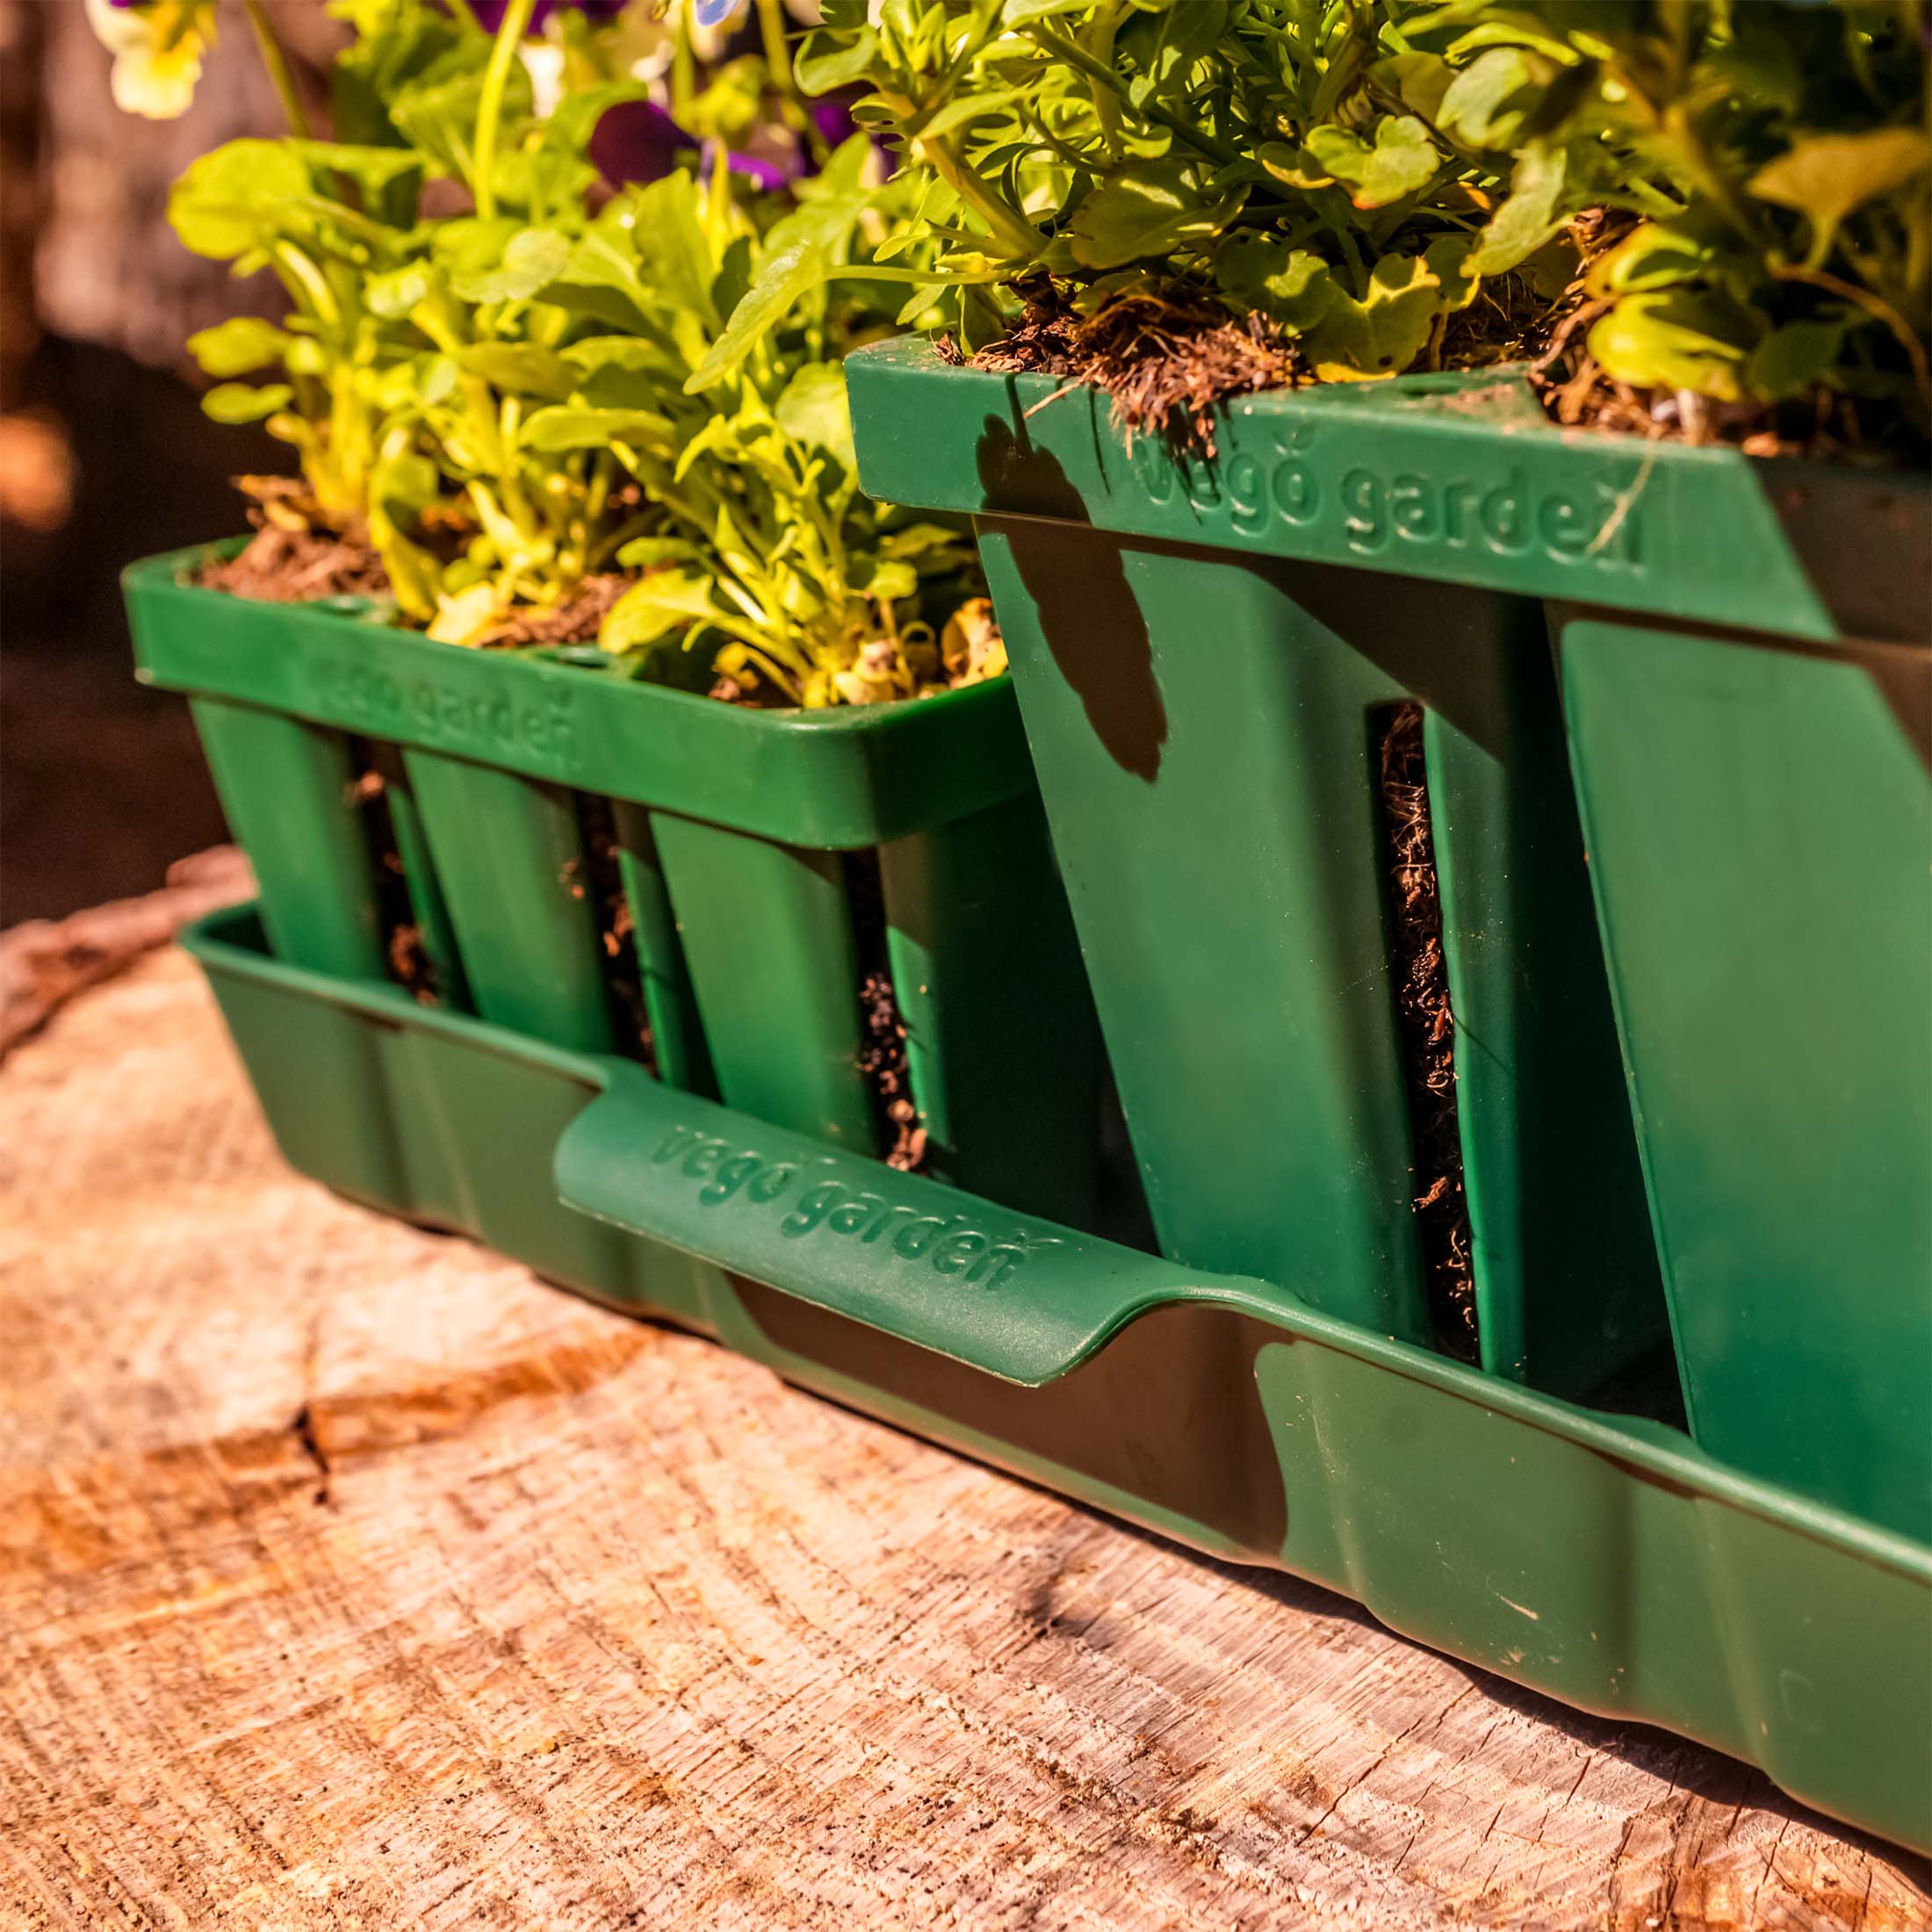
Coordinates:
x,y
45,962
351,1577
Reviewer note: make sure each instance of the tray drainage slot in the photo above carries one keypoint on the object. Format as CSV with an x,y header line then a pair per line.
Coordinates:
x,y
1419,981
408,956
602,879
883,1057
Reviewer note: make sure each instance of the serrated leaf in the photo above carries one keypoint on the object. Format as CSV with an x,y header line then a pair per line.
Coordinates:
x,y
1401,159
1387,329
226,200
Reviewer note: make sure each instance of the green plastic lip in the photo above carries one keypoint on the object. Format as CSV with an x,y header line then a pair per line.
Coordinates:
x,y
1460,478
835,779
604,1170
1021,1299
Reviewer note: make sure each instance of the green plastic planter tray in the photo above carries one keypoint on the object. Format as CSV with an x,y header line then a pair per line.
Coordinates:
x,y
1202,685
730,827
1760,822
1200,649
1600,1560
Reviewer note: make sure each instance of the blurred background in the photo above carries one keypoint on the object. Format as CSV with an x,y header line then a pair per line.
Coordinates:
x,y
104,454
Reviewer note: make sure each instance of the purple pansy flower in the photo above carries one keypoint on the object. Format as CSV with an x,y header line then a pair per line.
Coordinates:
x,y
715,13
640,141
832,115
489,13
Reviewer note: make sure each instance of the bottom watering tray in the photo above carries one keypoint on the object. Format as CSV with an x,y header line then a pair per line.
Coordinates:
x,y
1600,1560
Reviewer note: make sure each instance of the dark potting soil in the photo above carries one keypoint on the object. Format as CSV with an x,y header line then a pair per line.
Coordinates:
x,y
405,956
1578,393
282,566
1167,359
1420,972
296,556
881,1050
576,620
600,878
1170,356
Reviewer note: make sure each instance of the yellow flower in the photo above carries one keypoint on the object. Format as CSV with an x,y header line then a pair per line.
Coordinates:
x,y
157,50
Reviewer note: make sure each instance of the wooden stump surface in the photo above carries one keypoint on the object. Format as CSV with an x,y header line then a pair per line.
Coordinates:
x,y
351,1577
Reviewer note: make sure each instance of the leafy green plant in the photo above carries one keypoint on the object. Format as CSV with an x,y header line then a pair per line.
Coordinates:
x,y
733,418
1400,183
1766,168
552,382
1270,153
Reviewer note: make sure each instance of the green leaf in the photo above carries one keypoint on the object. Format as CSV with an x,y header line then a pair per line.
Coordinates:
x,y
396,43
601,279
1293,286
780,281
1165,44
531,259
390,179
969,107
1422,81
1679,339
234,347
675,262
1486,102
1534,212
1020,13
393,293
242,402
437,115
1793,360
1144,210
892,580
1657,255
655,605
920,540
1518,27
648,553
1384,332
823,72
565,428
812,409
1825,177
525,368
1401,160
229,199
